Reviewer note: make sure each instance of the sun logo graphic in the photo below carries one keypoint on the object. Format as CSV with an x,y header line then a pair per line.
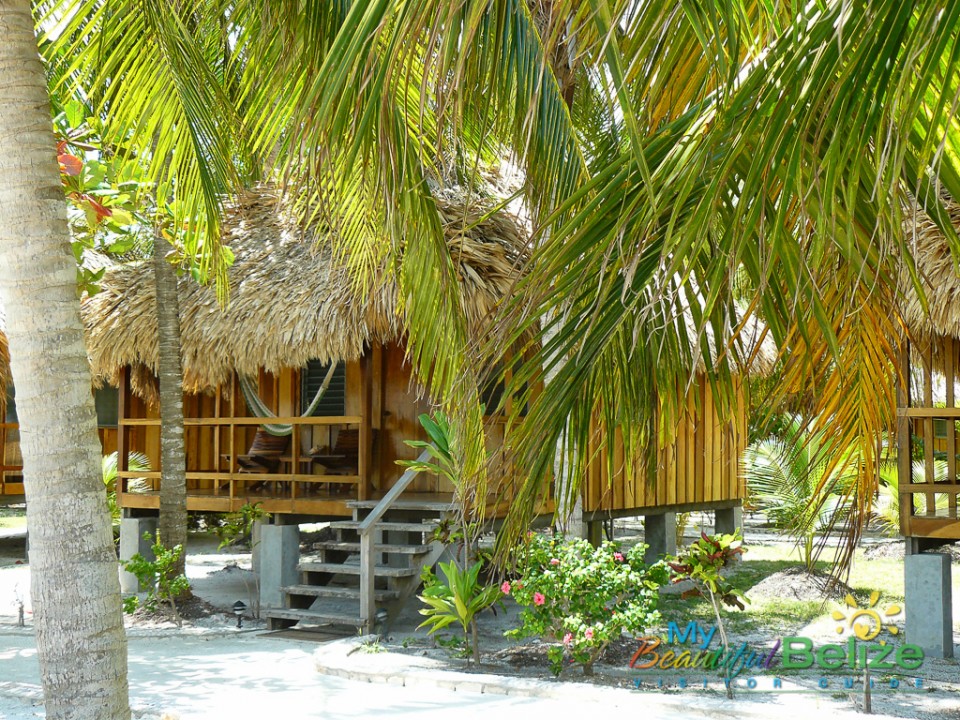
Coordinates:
x,y
867,623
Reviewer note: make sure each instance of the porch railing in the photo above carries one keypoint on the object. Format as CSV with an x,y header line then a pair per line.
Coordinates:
x,y
297,470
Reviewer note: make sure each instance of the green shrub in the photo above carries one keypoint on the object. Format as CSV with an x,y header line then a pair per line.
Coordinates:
x,y
582,596
159,575
701,564
458,600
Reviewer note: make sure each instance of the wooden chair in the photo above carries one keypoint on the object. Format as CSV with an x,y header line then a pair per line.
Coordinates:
x,y
264,454
344,458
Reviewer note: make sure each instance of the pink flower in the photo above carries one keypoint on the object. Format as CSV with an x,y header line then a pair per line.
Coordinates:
x,y
568,638
538,598
505,588
618,557
588,633
554,561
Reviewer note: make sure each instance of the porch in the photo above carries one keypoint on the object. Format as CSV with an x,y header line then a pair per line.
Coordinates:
x,y
928,410
301,484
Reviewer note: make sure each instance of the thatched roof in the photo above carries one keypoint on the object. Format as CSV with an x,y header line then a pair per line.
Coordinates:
x,y
755,348
938,275
290,300
748,348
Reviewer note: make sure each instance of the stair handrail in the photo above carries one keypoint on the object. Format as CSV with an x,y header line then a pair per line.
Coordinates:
x,y
368,605
392,494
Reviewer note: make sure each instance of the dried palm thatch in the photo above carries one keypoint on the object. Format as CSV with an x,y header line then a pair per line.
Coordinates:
x,y
749,347
291,298
938,276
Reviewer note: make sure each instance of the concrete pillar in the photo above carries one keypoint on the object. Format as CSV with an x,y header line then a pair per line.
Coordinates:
x,y
728,520
660,534
132,542
929,605
279,556
593,532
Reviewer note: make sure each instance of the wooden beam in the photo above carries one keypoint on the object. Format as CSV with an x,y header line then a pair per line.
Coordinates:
x,y
366,406
930,412
904,439
928,487
929,434
951,372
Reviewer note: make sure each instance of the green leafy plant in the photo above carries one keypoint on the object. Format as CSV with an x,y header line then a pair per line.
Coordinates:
x,y
159,575
458,600
136,462
701,563
444,460
447,462
582,596
238,526
798,486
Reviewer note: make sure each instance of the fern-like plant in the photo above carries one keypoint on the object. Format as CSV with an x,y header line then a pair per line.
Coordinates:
x,y
799,488
136,462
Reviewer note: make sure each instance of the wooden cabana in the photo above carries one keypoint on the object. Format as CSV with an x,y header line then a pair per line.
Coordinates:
x,y
929,401
928,411
293,311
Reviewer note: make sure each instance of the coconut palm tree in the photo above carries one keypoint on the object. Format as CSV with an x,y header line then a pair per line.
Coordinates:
x,y
170,110
74,583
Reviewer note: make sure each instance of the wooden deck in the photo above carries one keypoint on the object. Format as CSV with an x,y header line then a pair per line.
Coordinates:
x,y
321,502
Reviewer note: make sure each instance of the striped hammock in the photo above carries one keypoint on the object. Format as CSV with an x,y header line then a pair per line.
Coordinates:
x,y
251,395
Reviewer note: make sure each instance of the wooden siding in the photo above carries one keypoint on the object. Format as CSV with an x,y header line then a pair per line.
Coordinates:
x,y
929,487
702,465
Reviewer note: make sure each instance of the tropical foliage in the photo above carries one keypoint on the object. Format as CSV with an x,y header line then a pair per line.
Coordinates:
x,y
682,165
583,597
701,563
164,581
458,599
798,487
136,462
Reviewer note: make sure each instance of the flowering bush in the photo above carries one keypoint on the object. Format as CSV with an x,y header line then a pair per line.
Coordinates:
x,y
585,597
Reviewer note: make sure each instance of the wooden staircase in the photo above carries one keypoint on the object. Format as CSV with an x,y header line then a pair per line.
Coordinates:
x,y
362,579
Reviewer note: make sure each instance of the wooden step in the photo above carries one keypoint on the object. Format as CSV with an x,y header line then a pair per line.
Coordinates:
x,y
354,547
411,504
343,569
348,593
316,617
387,526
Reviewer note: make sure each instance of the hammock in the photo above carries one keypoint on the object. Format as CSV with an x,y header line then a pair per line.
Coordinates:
x,y
252,397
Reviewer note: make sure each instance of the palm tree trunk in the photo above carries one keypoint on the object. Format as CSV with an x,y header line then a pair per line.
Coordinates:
x,y
173,466
74,583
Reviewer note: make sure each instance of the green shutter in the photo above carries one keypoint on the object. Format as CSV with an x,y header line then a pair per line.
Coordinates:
x,y
334,401
107,401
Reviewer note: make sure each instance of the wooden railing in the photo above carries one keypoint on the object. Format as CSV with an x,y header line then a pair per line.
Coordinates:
x,y
6,466
291,463
368,558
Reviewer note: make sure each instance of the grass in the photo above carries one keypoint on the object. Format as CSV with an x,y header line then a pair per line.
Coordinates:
x,y
766,615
